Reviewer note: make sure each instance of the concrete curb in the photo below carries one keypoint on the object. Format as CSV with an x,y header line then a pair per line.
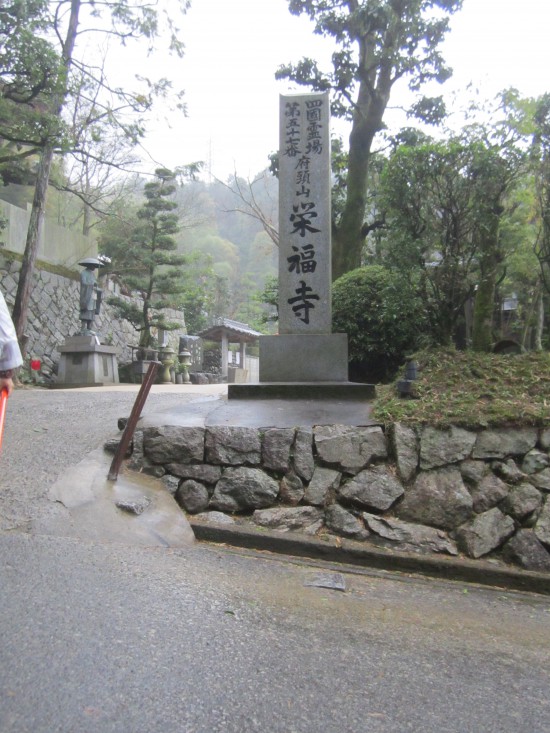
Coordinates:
x,y
356,553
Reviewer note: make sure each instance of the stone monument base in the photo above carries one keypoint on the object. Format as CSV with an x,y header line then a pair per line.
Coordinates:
x,y
86,363
305,391
303,367
304,358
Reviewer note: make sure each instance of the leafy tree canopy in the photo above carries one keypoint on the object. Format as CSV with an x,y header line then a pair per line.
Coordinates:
x,y
378,42
29,76
447,205
121,20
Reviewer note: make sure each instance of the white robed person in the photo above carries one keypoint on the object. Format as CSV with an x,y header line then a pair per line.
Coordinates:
x,y
10,354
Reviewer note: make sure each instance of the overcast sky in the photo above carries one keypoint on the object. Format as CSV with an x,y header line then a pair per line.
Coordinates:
x,y
233,48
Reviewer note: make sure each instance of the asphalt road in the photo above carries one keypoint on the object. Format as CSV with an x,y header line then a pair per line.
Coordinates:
x,y
108,637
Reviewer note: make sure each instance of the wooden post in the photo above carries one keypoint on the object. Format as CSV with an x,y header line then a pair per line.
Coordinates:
x,y
225,347
132,420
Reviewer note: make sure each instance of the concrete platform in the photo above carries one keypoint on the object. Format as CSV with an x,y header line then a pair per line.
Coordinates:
x,y
255,413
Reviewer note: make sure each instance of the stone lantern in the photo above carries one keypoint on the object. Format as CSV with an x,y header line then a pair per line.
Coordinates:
x,y
184,358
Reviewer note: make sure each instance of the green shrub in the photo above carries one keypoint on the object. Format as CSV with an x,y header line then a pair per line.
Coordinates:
x,y
383,318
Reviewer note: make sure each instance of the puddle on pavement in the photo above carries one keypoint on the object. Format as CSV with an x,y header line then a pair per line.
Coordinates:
x,y
92,513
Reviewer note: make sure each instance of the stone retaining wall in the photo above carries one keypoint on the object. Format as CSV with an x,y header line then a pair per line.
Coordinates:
x,y
53,315
481,494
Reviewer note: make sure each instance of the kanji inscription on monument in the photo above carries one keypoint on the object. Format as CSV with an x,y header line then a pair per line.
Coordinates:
x,y
304,215
305,350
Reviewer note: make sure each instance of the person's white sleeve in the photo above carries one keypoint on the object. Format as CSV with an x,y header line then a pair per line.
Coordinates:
x,y
10,354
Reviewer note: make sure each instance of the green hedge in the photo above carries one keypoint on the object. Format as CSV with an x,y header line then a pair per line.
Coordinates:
x,y
383,318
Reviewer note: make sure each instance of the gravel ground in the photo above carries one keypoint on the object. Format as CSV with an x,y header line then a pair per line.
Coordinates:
x,y
47,431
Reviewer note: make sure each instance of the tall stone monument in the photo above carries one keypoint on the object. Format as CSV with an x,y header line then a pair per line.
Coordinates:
x,y
305,360
305,350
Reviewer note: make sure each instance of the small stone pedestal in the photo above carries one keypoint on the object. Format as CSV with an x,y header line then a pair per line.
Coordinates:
x,y
86,363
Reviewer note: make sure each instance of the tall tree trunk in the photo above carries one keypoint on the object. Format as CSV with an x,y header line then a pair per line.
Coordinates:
x,y
21,305
482,331
482,328
86,218
531,317
349,237
539,321
86,222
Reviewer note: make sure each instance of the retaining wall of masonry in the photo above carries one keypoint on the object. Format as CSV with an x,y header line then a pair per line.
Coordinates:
x,y
483,494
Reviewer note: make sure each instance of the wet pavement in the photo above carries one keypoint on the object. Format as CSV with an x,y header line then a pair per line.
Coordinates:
x,y
131,510
108,634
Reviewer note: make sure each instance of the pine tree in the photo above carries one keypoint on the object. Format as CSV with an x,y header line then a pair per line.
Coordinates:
x,y
146,260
